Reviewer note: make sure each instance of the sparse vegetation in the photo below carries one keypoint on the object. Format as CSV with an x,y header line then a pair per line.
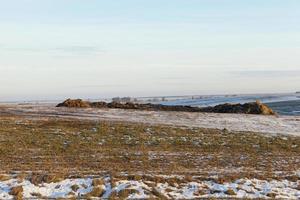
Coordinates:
x,y
153,155
60,148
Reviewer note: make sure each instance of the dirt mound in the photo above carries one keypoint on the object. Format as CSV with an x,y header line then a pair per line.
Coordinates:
x,y
78,103
75,103
152,107
247,108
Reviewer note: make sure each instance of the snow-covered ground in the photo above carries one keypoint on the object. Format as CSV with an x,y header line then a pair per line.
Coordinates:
x,y
241,188
289,125
145,188
213,100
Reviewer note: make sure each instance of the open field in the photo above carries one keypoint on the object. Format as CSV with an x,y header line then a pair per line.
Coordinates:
x,y
138,160
288,125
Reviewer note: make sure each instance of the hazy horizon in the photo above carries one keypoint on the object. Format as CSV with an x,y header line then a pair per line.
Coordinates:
x,y
55,49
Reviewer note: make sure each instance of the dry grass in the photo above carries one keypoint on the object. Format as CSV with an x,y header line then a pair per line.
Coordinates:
x,y
17,192
96,192
56,148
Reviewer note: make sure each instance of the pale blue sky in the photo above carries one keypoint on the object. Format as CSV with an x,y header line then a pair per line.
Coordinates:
x,y
53,49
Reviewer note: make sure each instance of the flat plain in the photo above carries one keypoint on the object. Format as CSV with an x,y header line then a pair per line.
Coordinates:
x,y
140,159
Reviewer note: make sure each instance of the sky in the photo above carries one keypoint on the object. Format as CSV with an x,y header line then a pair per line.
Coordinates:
x,y
55,49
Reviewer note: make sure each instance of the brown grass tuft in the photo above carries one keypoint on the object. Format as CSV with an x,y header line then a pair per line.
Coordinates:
x,y
17,192
96,192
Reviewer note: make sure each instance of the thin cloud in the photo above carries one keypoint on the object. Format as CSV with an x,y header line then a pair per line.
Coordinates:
x,y
266,73
101,86
76,49
79,49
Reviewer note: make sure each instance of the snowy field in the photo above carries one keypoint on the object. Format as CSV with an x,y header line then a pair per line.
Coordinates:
x,y
168,155
140,189
213,100
289,125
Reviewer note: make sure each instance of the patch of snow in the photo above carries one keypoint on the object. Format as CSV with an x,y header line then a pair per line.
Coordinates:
x,y
49,190
242,188
138,186
235,122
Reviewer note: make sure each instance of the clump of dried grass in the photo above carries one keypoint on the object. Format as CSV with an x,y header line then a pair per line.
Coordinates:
x,y
17,192
97,191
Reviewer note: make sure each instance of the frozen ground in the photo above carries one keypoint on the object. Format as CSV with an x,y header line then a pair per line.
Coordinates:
x,y
236,122
141,189
164,162
212,100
